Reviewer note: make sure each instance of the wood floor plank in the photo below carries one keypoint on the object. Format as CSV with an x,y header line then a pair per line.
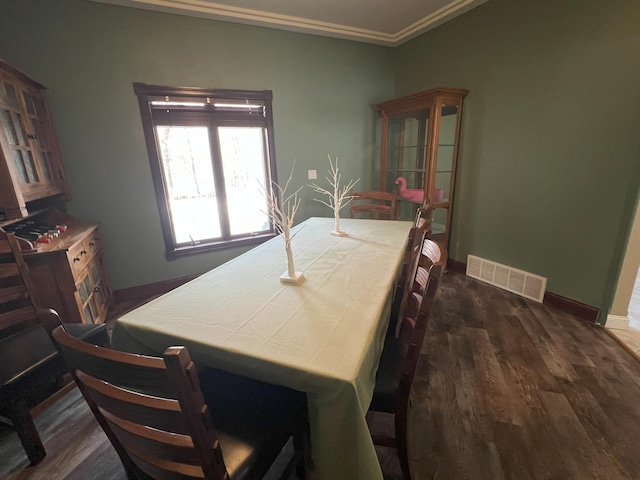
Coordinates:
x,y
604,431
506,388
495,394
515,452
586,460
551,351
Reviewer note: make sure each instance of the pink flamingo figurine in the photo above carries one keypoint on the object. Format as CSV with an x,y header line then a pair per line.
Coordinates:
x,y
413,195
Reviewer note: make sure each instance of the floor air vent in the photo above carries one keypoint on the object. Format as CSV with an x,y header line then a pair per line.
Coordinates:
x,y
511,279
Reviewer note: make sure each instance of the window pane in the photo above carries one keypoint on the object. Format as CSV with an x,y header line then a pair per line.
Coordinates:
x,y
17,160
7,124
245,176
18,126
27,159
188,174
12,98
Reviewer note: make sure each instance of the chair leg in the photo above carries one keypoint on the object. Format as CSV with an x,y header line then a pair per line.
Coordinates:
x,y
26,430
401,443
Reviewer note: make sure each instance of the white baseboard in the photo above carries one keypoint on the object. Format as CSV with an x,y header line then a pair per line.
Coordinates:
x,y
617,322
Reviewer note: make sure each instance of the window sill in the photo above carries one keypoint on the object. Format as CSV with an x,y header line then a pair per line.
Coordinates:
x,y
186,251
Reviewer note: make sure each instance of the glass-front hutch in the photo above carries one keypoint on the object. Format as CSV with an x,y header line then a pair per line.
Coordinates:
x,y
419,145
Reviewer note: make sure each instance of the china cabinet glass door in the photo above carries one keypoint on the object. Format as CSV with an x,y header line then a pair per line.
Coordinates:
x,y
418,155
31,166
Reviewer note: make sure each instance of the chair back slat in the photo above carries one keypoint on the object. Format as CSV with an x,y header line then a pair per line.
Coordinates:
x,y
183,443
374,204
19,316
158,446
166,470
8,270
155,412
432,251
10,294
140,372
418,333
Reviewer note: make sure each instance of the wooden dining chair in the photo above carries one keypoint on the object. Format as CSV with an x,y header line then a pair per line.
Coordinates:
x,y
373,204
423,218
154,413
32,374
404,281
397,368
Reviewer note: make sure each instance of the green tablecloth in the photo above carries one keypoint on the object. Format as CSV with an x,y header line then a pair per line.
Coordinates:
x,y
323,337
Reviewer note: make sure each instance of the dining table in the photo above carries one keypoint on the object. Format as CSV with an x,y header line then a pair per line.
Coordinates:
x,y
323,336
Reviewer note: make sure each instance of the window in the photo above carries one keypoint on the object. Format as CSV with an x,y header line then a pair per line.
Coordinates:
x,y
212,155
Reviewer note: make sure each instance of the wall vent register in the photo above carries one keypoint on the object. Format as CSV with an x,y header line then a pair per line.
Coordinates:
x,y
508,278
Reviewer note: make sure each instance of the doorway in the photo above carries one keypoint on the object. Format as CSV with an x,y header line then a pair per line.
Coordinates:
x,y
624,320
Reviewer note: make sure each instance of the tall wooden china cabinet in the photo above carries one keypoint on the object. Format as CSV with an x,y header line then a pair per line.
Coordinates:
x,y
419,146
65,256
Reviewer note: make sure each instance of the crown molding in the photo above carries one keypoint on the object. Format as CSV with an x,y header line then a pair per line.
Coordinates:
x,y
438,17
228,13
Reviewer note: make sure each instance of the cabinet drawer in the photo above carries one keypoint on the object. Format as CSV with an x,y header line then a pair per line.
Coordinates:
x,y
82,253
78,257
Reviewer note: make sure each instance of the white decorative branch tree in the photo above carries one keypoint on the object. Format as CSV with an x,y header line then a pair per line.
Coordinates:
x,y
337,197
282,211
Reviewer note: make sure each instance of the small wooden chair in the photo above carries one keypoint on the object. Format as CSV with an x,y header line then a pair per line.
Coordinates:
x,y
398,364
154,413
32,374
407,272
374,204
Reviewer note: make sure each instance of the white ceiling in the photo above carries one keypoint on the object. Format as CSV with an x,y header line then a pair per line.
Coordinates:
x,y
383,22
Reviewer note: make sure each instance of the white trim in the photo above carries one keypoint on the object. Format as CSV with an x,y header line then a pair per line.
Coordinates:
x,y
217,11
617,322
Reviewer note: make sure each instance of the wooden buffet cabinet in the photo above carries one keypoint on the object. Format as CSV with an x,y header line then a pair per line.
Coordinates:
x,y
419,143
69,271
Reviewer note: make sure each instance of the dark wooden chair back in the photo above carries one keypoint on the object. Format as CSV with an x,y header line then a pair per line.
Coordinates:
x,y
374,204
163,424
406,274
413,329
399,361
432,254
153,408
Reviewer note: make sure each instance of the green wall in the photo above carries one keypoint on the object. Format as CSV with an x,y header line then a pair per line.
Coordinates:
x,y
90,54
549,161
549,164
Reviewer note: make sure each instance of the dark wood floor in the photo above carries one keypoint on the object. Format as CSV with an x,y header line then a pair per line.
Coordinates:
x,y
506,389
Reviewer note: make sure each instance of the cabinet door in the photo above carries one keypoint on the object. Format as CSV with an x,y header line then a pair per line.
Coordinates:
x,y
442,176
28,143
419,144
18,150
101,287
94,291
407,147
43,140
